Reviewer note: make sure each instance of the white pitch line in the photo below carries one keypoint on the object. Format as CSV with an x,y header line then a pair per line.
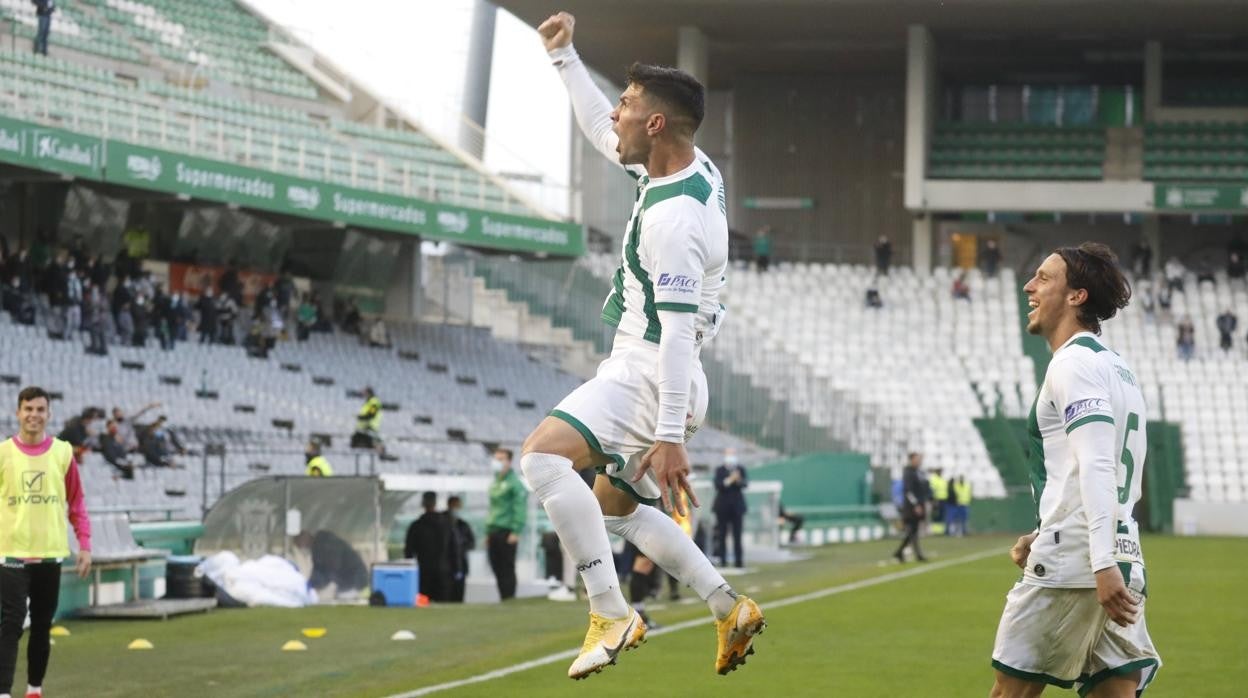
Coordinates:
x,y
702,622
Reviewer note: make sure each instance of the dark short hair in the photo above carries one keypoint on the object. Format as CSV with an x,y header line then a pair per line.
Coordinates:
x,y
1093,267
453,500
507,452
673,87
429,499
32,392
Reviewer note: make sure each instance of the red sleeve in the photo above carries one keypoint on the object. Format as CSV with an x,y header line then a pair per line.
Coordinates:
x,y
77,507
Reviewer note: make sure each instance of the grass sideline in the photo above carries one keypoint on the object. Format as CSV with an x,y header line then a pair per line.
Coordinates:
x,y
928,634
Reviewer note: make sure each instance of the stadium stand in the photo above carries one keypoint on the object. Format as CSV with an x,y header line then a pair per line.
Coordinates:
x,y
1207,396
1016,151
449,390
206,83
909,376
1207,151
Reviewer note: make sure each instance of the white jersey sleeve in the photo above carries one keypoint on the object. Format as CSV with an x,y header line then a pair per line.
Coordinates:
x,y
1081,392
590,105
676,251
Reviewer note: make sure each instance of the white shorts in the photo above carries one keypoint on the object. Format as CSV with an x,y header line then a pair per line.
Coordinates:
x,y
617,410
1063,637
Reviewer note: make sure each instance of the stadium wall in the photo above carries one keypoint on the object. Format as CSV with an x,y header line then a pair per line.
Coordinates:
x,y
838,140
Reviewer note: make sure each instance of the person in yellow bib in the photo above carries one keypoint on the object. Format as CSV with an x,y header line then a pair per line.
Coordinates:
x,y
317,465
39,490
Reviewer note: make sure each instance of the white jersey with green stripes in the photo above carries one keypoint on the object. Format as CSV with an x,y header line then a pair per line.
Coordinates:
x,y
675,253
1085,384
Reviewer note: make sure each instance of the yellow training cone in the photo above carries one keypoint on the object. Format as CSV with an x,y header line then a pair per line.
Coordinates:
x,y
139,644
294,646
59,631
314,632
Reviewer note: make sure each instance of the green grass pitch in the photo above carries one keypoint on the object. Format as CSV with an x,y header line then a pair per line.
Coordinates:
x,y
928,634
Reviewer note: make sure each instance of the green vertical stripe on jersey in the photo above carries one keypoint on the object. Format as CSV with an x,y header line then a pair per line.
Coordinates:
x,y
695,186
653,328
614,308
1035,458
1089,343
1088,419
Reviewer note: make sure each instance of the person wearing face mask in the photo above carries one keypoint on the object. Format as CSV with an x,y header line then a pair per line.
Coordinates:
x,y
508,511
730,484
462,540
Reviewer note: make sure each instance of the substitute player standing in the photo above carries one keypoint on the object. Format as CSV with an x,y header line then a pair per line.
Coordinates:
x,y
1077,615
632,419
39,487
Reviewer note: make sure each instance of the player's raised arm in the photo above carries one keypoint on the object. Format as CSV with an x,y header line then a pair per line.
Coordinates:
x,y
591,106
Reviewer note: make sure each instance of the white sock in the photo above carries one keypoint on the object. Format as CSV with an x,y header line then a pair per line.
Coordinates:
x,y
661,539
37,690
574,512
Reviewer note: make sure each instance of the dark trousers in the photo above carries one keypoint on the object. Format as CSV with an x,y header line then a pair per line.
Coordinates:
x,y
41,583
912,536
503,563
730,522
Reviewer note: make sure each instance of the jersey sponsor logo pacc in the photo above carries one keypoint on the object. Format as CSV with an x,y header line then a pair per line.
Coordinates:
x,y
1078,408
678,282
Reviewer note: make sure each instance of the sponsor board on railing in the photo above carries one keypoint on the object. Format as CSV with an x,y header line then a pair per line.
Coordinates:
x,y
1201,197
47,148
57,150
149,168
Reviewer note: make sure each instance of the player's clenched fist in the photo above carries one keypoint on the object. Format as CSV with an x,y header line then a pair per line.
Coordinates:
x,y
556,31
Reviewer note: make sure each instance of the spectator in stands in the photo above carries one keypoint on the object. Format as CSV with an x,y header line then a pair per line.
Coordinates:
x,y
163,318
873,299
961,290
1174,274
160,444
731,481
180,317
208,313
305,317
79,431
334,562
96,319
377,335
883,255
762,248
256,343
140,313
231,285
43,12
1204,274
35,537
1187,339
127,432
1235,266
227,317
317,465
73,300
1142,258
462,540
125,325
915,497
505,521
351,320
1164,298
990,260
115,452
429,541
1144,292
1227,323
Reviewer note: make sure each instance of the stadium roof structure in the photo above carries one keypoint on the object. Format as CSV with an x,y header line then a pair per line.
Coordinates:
x,y
811,36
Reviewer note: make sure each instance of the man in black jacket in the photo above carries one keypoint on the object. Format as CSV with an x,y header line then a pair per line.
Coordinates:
x,y
914,498
43,11
462,540
429,540
730,507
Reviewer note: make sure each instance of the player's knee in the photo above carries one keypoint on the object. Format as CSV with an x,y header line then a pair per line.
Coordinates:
x,y
541,469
